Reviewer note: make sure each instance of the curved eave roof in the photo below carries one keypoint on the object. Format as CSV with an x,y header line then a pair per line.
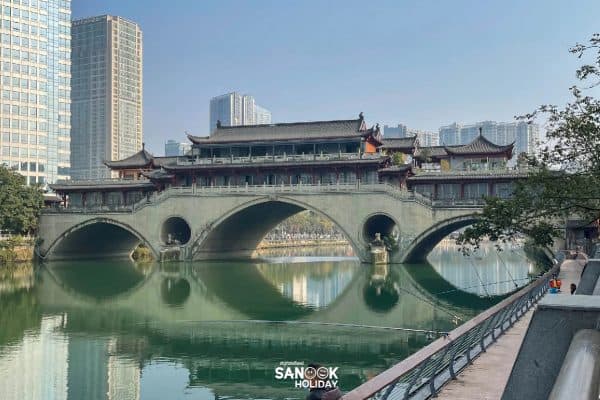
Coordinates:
x,y
141,159
405,143
480,145
337,129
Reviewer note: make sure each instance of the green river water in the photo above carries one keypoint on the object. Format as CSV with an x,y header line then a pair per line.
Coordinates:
x,y
117,330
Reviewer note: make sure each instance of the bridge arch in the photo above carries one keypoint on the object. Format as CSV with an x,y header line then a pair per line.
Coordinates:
x,y
237,233
420,246
97,238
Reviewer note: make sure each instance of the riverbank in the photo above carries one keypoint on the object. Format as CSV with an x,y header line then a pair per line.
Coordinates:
x,y
282,244
20,253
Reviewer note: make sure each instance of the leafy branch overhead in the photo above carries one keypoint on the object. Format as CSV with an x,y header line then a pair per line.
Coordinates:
x,y
564,178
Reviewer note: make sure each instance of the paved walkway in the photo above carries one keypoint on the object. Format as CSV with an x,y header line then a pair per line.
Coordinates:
x,y
487,377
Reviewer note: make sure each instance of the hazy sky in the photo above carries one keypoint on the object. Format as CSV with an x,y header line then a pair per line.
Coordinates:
x,y
424,63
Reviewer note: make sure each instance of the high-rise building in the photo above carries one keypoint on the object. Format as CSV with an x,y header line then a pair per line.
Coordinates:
x,y
450,134
262,116
524,135
425,138
233,109
174,148
106,79
35,60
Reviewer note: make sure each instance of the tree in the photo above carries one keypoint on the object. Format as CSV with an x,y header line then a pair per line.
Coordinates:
x,y
564,178
20,205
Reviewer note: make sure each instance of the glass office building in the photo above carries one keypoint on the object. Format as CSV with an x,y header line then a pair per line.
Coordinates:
x,y
107,94
35,68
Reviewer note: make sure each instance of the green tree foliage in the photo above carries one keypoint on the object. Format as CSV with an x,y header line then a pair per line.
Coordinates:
x,y
398,158
564,178
20,205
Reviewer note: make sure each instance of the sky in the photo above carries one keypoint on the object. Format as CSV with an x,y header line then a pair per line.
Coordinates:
x,y
423,63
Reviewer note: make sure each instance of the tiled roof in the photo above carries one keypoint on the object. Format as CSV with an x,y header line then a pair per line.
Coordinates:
x,y
158,174
395,168
480,145
431,151
162,161
469,175
139,160
108,184
399,143
352,128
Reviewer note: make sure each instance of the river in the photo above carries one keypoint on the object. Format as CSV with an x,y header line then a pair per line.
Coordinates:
x,y
117,330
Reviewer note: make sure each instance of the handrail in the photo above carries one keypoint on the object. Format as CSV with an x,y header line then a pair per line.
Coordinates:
x,y
195,160
426,371
194,190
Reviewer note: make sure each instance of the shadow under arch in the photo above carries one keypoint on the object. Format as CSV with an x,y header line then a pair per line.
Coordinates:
x,y
97,238
237,234
97,281
242,287
421,246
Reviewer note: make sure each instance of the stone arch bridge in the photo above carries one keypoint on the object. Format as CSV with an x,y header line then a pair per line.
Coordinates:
x,y
229,222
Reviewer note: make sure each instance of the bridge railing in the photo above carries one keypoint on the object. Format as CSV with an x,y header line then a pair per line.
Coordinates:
x,y
424,373
194,190
278,158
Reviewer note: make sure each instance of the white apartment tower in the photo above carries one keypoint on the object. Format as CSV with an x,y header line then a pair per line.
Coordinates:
x,y
35,65
233,109
106,79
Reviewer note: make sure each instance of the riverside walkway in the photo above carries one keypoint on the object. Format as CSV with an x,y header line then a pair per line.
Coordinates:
x,y
487,377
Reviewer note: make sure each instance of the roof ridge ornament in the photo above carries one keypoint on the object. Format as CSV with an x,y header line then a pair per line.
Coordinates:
x,y
361,116
218,124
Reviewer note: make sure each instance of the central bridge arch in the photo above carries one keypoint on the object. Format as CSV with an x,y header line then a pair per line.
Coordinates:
x,y
421,246
238,233
96,238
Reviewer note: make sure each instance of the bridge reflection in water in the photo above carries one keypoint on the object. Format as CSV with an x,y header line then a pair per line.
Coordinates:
x,y
125,331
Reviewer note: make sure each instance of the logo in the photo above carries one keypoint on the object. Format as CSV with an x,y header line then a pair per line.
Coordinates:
x,y
310,377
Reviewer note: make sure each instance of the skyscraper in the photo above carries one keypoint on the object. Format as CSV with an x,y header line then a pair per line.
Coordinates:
x,y
106,122
525,136
175,148
425,138
262,116
35,62
234,109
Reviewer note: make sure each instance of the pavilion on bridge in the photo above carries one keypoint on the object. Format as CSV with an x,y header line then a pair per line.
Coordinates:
x,y
317,153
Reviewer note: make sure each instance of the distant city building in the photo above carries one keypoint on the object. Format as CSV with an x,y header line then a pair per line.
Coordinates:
x,y
174,148
106,112
262,116
35,104
234,109
524,135
401,131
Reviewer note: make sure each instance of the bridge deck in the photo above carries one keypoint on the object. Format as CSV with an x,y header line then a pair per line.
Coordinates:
x,y
486,378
